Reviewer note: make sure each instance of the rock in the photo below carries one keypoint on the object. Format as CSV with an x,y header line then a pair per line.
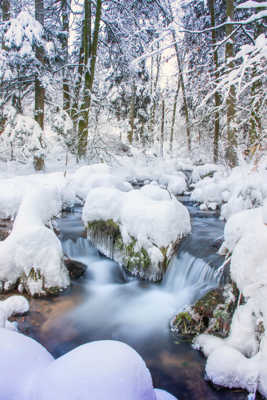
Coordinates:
x,y
5,228
211,314
76,268
106,236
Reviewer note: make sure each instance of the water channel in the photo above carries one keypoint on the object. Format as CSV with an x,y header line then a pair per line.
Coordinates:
x,y
106,303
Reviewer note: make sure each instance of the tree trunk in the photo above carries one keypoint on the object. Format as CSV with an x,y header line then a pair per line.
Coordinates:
x,y
65,46
5,5
162,129
39,89
174,113
181,77
132,114
217,99
230,154
90,50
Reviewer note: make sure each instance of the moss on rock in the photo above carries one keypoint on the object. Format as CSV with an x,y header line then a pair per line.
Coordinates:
x,y
130,255
211,314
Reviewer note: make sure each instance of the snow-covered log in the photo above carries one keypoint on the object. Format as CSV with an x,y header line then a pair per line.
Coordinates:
x,y
139,229
31,257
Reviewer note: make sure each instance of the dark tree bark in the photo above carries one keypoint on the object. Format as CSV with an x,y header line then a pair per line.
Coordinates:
x,y
230,154
162,128
90,50
5,5
64,44
39,89
217,99
174,113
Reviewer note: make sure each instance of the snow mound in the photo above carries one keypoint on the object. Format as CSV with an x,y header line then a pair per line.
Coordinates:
x,y
83,371
32,254
21,363
201,171
238,225
97,175
243,188
87,372
10,306
149,228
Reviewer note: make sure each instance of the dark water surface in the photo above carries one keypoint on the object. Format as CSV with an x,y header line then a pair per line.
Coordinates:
x,y
108,304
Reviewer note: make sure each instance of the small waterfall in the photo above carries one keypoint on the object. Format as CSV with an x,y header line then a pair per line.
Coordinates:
x,y
99,269
81,248
187,270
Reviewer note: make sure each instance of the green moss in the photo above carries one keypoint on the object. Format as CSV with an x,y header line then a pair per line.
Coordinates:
x,y
133,258
108,227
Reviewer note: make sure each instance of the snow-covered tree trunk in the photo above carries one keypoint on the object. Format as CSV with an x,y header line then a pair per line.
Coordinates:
x,y
174,112
39,90
162,128
230,155
132,114
90,48
216,95
65,45
5,5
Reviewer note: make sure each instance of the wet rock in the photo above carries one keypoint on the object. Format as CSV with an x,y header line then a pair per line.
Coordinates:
x,y
76,268
211,314
106,237
5,228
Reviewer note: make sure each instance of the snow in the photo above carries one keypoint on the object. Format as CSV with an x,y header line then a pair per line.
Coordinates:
x,y
246,238
29,372
12,305
89,371
22,362
239,189
162,395
153,223
32,248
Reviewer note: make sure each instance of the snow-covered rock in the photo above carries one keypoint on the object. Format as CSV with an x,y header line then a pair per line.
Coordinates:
x,y
139,229
96,175
89,371
31,257
246,238
21,363
236,190
12,305
29,372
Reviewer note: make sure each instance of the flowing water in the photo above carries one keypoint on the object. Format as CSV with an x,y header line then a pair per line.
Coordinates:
x,y
106,303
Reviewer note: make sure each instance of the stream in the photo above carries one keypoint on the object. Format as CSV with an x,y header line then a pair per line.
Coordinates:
x,y
107,303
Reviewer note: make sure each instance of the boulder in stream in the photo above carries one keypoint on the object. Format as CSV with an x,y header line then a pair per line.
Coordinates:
x,y
139,229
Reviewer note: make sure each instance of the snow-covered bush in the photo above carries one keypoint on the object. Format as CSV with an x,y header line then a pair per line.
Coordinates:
x,y
139,229
31,257
243,188
22,139
63,126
